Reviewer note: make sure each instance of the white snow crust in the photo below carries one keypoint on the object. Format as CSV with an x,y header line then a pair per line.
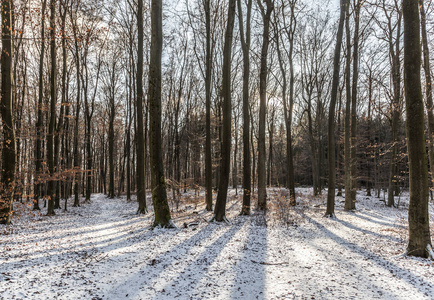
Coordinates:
x,y
103,250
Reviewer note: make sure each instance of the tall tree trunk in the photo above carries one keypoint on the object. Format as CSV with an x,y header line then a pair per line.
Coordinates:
x,y
39,121
396,78
330,212
225,162
60,125
245,44
262,191
53,100
208,74
140,139
288,108
7,82
111,137
88,135
347,125
419,243
428,88
370,133
158,183
289,155
76,142
128,141
270,149
234,164
353,153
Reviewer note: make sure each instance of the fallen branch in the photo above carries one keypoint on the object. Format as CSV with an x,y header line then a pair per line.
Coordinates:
x,y
269,264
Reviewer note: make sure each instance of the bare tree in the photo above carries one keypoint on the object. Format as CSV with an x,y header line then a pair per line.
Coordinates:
x,y
9,147
262,176
225,163
39,123
330,212
419,242
140,138
53,101
159,197
245,45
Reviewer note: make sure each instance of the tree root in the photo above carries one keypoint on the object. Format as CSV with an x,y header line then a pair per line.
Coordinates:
x,y
331,216
213,219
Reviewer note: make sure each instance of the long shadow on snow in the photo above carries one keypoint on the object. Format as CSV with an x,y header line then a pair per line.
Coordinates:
x,y
250,269
361,216
326,288
189,277
75,232
365,231
381,262
160,263
65,253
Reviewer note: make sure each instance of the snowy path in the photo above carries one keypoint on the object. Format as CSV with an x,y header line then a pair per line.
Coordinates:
x,y
104,251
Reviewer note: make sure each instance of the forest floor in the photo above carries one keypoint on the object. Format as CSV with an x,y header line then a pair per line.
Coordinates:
x,y
103,250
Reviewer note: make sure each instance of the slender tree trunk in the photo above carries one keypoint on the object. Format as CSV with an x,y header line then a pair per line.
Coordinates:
x,y
419,243
140,139
428,88
39,122
330,212
76,143
159,197
111,137
225,163
52,124
347,125
245,44
353,153
396,77
7,83
88,145
370,133
262,177
208,74
235,164
60,125
290,158
128,144
270,149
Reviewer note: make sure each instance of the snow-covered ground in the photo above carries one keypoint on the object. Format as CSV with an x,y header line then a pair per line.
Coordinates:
x,y
102,250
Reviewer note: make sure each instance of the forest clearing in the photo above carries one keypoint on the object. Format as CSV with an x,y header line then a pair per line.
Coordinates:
x,y
103,250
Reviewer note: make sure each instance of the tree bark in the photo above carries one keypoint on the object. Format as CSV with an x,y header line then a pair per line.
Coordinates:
x,y
140,139
428,88
159,197
330,212
353,138
225,163
262,176
9,147
39,122
245,44
77,120
347,125
208,74
418,218
53,101
111,137
396,78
